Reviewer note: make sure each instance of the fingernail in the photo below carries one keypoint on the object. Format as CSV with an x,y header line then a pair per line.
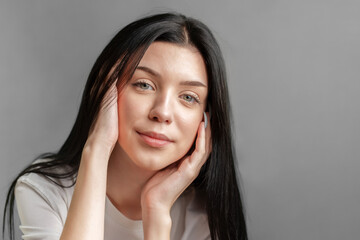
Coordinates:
x,y
205,120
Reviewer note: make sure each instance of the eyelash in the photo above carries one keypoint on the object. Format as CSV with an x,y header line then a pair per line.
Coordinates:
x,y
139,84
194,97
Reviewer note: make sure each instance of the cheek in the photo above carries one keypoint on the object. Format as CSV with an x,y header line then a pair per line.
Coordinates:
x,y
130,109
189,126
124,107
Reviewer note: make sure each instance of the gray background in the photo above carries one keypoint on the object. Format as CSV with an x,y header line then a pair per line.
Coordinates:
x,y
294,76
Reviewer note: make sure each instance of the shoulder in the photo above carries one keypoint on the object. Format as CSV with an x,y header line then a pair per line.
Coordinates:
x,y
189,217
33,189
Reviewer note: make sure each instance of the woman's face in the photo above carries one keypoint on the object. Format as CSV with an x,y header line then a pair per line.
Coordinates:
x,y
162,105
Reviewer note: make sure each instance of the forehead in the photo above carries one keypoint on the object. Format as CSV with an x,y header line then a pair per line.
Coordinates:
x,y
172,60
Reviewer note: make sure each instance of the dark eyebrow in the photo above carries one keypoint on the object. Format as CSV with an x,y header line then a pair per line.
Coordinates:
x,y
183,83
193,83
148,70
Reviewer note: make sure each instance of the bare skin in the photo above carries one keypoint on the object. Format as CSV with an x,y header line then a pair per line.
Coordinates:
x,y
146,193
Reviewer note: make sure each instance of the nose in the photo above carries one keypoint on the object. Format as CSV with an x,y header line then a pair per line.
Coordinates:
x,y
161,110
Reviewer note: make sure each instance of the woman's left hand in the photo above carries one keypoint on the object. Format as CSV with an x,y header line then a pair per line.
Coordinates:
x,y
162,190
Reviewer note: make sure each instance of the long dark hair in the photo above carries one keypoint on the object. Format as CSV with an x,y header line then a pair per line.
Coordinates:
x,y
217,180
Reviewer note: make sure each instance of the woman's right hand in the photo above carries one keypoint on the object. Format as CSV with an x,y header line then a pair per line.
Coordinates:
x,y
88,201
104,130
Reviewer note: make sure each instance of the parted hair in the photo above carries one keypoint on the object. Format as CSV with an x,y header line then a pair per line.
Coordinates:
x,y
218,180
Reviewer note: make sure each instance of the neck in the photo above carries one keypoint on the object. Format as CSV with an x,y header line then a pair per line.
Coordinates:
x,y
125,182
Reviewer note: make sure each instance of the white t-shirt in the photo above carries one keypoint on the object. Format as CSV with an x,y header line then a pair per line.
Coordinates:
x,y
42,206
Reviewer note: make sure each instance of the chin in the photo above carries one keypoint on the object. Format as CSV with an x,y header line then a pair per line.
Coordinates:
x,y
154,163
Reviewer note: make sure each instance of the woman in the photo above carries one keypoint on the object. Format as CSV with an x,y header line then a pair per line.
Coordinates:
x,y
139,157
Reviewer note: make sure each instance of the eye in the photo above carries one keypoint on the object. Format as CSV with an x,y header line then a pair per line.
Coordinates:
x,y
190,98
143,85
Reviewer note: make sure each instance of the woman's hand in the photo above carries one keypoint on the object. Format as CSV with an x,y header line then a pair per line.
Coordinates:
x,y
87,208
162,190
104,130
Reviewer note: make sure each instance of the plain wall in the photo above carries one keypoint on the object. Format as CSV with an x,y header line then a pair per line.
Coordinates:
x,y
294,80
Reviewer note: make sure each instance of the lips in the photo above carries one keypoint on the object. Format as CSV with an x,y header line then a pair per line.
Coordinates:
x,y
154,139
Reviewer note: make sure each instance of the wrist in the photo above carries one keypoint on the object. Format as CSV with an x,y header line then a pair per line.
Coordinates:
x,y
96,154
97,145
156,224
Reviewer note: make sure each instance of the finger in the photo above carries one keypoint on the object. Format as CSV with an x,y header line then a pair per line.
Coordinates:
x,y
208,136
186,170
110,96
171,181
208,142
201,151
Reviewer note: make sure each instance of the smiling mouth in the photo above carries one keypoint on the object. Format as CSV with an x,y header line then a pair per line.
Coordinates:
x,y
154,139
